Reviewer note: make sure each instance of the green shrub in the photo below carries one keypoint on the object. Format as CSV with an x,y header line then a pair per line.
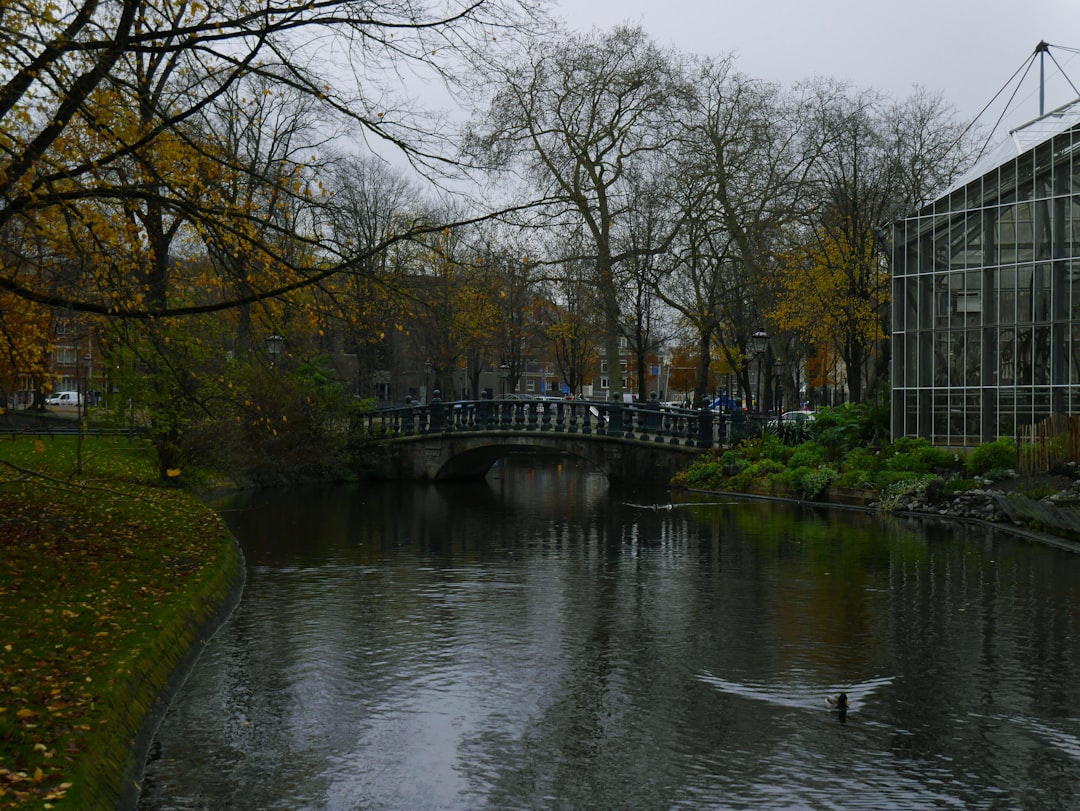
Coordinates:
x,y
756,475
765,446
1039,492
856,480
851,425
809,454
792,432
1001,453
884,479
809,482
917,455
894,493
703,474
866,460
732,463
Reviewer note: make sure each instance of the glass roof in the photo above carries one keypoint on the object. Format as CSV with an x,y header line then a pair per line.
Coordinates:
x,y
1022,139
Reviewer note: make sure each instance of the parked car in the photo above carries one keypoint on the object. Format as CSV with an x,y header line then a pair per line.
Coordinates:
x,y
64,398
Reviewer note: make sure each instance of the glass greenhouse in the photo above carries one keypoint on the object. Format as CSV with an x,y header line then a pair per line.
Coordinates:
x,y
986,293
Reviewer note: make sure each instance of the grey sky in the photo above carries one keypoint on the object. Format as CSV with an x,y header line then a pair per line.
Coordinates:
x,y
966,49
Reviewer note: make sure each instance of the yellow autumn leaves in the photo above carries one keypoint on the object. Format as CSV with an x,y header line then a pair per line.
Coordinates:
x,y
832,290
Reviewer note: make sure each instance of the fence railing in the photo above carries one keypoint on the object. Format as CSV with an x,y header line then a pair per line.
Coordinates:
x,y
648,422
54,430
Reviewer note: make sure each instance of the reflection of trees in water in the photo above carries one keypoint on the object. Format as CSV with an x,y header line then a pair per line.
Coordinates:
x,y
528,653
442,518
613,623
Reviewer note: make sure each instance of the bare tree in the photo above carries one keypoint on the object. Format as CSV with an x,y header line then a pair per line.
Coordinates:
x,y
879,158
578,114
508,328
746,155
573,320
650,229
371,201
705,283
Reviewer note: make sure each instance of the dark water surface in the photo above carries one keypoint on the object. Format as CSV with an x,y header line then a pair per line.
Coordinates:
x,y
542,641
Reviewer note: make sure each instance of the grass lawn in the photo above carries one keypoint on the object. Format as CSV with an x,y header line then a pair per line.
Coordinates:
x,y
105,576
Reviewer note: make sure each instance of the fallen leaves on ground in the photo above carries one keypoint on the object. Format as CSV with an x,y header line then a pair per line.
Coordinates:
x,y
86,568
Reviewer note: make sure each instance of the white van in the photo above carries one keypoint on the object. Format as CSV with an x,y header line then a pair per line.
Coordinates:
x,y
64,398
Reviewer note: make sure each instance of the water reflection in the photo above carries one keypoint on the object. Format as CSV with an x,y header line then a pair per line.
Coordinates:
x,y
540,641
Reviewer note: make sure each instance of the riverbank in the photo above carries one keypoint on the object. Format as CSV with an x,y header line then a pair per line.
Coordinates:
x,y
842,458
109,585
1042,509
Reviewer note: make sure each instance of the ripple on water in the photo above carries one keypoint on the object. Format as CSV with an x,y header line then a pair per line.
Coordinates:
x,y
627,658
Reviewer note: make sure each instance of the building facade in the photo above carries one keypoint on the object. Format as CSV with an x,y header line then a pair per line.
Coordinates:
x,y
986,293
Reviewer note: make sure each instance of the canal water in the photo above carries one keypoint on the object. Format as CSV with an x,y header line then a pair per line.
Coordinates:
x,y
542,640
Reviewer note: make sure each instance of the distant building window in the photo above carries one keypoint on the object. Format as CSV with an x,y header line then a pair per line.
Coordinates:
x,y
604,383
61,326
66,356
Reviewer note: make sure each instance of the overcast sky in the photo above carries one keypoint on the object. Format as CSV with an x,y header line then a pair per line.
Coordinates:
x,y
966,49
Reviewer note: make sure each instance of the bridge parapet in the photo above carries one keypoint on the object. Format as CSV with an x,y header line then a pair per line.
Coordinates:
x,y
650,422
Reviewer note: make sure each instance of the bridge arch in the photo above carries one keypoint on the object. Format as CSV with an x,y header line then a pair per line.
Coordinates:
x,y
468,456
464,439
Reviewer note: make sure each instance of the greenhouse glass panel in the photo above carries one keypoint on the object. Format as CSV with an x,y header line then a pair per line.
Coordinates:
x,y
994,325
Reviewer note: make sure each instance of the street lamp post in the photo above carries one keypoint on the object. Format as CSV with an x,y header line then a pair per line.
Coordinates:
x,y
759,342
835,381
273,348
779,368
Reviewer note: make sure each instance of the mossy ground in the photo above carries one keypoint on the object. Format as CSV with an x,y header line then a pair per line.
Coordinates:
x,y
103,576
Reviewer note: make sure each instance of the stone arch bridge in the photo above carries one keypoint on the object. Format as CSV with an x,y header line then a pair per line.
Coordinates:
x,y
464,439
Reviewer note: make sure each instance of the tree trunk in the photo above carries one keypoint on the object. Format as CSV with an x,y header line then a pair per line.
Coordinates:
x,y
701,385
854,361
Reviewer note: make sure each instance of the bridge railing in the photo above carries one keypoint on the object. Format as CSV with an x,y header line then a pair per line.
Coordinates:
x,y
649,422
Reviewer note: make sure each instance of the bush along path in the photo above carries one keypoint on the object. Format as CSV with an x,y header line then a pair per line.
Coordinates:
x,y
109,583
841,458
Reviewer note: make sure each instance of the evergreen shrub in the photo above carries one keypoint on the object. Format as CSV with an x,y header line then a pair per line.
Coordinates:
x,y
1001,453
809,482
757,474
917,455
809,454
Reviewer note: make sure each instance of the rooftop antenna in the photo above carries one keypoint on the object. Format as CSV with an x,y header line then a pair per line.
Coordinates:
x,y
1041,49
